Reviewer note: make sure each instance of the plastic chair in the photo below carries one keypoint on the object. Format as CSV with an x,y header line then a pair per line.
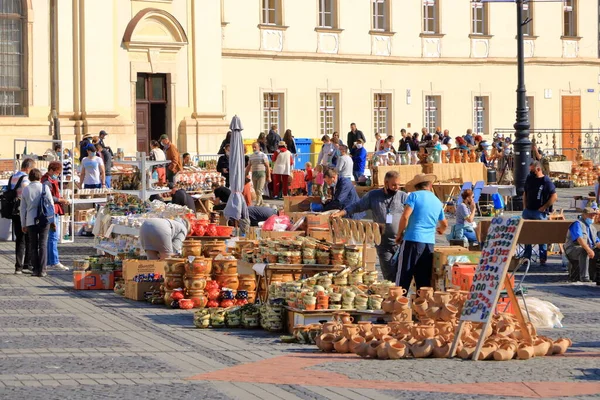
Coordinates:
x,y
477,193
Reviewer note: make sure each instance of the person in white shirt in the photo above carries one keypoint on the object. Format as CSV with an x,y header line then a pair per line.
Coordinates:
x,y
92,170
327,152
345,165
258,164
157,154
38,234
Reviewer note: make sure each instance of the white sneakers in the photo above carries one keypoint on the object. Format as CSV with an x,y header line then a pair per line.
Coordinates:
x,y
59,266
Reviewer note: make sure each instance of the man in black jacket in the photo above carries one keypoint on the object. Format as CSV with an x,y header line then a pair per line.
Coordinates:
x,y
107,158
223,165
101,136
85,141
273,140
353,135
182,198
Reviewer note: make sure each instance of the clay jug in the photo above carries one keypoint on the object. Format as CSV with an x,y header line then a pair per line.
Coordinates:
x,y
382,350
401,304
388,305
541,347
373,348
505,352
362,350
341,344
561,345
422,349
525,351
381,330
420,306
397,350
396,292
355,343
365,328
404,316
330,327
441,349
448,312
326,342
350,330
426,293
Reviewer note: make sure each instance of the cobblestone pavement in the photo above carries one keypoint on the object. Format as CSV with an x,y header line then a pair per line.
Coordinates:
x,y
58,343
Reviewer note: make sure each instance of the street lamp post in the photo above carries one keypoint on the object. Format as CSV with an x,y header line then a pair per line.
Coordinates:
x,y
522,144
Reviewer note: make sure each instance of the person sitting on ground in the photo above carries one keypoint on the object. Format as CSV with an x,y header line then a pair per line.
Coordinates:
x,y
222,194
465,215
162,238
581,246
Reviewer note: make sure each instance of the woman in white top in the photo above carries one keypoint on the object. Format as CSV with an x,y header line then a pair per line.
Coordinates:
x,y
36,233
282,169
92,169
157,154
327,152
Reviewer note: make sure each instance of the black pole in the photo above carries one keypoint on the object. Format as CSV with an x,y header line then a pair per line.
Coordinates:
x,y
522,144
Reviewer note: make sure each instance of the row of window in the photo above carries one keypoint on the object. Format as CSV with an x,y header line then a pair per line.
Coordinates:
x,y
273,111
272,14
12,63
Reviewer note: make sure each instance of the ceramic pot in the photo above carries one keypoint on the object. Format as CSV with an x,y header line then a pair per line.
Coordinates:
x,y
487,351
397,350
175,266
211,230
405,327
441,349
422,349
388,305
444,327
561,345
405,316
173,281
310,307
211,249
541,347
382,350
355,343
345,318
420,306
505,352
401,304
230,281
199,299
365,328
362,350
224,267
200,266
330,327
350,330
433,313
247,282
326,342
381,330
422,332
341,344
373,344
186,304
195,282
395,292
448,312
525,351
426,293
191,248
442,297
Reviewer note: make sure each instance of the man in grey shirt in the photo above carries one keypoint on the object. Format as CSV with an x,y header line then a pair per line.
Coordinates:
x,y
387,205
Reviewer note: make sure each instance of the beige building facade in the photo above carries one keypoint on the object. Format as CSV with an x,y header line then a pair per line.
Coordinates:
x,y
141,68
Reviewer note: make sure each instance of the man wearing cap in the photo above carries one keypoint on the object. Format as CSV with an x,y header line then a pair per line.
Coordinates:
x,y
172,155
344,193
583,245
85,141
101,137
387,205
538,198
423,215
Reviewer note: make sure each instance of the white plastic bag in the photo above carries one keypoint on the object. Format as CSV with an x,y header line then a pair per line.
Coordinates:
x,y
543,314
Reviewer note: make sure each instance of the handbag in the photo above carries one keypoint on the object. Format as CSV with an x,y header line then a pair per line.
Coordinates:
x,y
45,214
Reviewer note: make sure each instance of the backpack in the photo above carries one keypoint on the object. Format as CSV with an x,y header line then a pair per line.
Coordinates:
x,y
45,214
10,204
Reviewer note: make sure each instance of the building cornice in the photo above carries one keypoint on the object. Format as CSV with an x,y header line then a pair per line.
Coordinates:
x,y
369,59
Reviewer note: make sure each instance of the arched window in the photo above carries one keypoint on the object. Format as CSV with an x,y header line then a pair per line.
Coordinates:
x,y
13,93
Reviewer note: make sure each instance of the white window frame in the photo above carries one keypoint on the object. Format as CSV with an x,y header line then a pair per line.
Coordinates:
x,y
273,107
382,111
432,112
380,21
570,17
480,115
479,18
324,14
328,113
528,8
430,16
271,7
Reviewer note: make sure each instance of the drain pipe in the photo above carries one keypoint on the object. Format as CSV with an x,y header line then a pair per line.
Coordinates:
x,y
54,70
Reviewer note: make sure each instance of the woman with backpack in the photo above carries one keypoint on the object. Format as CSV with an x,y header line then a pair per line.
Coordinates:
x,y
37,219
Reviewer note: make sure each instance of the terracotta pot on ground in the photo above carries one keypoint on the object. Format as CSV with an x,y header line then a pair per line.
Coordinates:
x,y
326,342
341,344
373,348
350,330
441,349
362,350
505,352
525,351
382,351
561,345
355,343
422,349
397,350
541,347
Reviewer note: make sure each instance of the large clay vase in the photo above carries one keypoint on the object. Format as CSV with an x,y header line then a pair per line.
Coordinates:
x,y
355,343
397,350
200,266
191,248
422,349
326,342
247,282
175,266
525,351
341,344
373,348
561,345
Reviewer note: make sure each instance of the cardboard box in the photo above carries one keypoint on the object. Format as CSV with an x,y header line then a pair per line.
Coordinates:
x,y
280,235
136,290
84,280
534,232
131,268
320,234
299,203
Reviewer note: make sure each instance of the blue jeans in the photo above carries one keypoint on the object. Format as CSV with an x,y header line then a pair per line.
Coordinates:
x,y
537,216
90,186
309,188
53,239
470,235
357,174
107,180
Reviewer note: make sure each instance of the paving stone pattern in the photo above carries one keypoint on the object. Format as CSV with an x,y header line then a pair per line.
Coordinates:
x,y
97,345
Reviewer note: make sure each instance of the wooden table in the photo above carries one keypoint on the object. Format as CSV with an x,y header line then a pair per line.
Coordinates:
x,y
446,191
533,232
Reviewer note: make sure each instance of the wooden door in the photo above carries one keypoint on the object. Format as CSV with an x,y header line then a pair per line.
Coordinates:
x,y
571,126
142,117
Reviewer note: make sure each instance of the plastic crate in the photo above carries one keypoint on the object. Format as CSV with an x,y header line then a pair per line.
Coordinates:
x,y
466,280
458,270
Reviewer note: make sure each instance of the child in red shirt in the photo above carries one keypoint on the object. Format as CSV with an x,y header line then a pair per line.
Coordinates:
x,y
308,178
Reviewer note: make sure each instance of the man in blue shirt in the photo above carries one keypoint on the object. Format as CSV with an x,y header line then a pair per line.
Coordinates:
x,y
423,215
538,198
583,245
344,193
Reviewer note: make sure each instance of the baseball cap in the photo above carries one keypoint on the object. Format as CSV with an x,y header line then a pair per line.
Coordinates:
x,y
590,210
162,137
90,147
102,132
